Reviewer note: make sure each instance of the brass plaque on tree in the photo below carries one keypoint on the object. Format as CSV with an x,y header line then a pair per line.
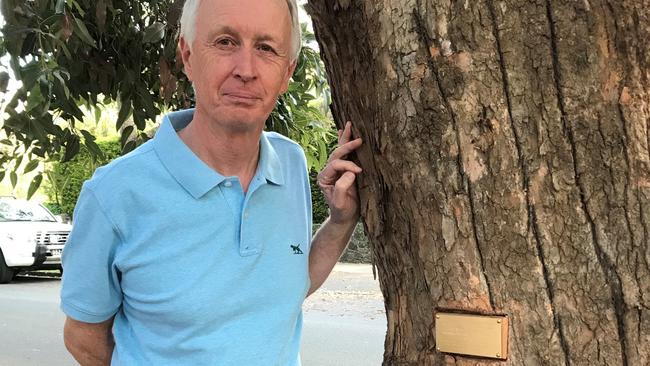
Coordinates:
x,y
472,335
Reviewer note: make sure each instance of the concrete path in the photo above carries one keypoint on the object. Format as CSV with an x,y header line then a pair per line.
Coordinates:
x,y
345,321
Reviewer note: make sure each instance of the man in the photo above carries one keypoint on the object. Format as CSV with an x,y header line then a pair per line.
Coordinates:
x,y
196,248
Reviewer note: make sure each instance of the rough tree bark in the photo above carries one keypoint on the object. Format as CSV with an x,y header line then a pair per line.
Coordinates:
x,y
506,168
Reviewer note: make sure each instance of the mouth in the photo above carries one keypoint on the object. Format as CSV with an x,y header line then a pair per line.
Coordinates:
x,y
243,97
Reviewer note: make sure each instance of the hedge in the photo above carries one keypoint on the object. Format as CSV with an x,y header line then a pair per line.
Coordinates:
x,y
65,179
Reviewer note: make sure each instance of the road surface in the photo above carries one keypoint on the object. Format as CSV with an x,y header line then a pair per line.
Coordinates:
x,y
344,322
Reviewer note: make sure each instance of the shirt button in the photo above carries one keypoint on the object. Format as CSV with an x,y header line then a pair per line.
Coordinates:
x,y
228,184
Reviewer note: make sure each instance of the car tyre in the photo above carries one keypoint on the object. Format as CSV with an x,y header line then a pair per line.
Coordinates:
x,y
6,273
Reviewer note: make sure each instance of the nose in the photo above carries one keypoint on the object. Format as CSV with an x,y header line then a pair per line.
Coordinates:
x,y
244,69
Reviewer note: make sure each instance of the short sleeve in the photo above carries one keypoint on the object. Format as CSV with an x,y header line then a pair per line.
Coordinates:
x,y
90,289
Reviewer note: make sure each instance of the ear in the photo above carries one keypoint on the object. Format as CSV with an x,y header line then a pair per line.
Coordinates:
x,y
287,77
186,52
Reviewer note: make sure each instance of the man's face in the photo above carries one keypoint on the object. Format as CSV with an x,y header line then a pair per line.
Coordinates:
x,y
240,60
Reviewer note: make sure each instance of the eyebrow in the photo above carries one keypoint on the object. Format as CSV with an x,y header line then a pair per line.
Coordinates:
x,y
229,30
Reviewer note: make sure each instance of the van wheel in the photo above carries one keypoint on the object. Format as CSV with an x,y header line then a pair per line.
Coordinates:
x,y
6,273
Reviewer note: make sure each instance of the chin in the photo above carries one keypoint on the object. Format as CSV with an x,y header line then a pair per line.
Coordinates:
x,y
243,127
243,124
238,120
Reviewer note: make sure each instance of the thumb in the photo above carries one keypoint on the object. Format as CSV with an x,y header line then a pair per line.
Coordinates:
x,y
343,184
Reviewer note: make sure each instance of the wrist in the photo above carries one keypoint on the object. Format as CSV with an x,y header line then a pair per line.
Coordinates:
x,y
350,221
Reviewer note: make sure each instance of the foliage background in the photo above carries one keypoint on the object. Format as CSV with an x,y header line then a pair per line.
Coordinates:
x,y
65,179
76,55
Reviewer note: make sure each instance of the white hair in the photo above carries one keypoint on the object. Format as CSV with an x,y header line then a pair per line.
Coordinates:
x,y
188,24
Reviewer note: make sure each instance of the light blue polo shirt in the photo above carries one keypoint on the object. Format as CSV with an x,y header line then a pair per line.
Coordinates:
x,y
195,272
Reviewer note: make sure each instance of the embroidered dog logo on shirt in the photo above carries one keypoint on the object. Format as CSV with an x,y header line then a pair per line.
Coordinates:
x,y
296,249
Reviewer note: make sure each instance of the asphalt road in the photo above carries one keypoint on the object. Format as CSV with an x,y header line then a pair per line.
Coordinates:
x,y
344,322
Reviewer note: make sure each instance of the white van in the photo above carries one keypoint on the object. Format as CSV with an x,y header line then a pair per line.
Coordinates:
x,y
31,238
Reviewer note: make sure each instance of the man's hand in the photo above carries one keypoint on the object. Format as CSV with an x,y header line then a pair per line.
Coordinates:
x,y
336,180
337,183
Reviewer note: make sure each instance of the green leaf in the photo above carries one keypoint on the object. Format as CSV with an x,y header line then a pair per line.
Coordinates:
x,y
33,164
154,33
29,74
14,179
125,110
69,106
71,148
18,161
6,142
2,175
128,147
35,99
98,113
33,187
126,134
78,7
35,126
89,141
63,48
29,44
62,83
83,33
139,119
322,155
60,6
87,136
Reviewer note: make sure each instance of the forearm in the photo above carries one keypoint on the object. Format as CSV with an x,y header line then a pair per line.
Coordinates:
x,y
326,248
89,344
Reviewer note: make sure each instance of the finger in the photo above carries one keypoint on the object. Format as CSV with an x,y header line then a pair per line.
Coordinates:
x,y
342,151
335,168
346,135
342,187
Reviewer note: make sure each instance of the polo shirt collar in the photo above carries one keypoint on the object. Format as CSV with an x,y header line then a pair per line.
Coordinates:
x,y
190,171
269,164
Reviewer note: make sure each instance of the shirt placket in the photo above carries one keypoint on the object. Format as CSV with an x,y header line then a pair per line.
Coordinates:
x,y
234,196
249,243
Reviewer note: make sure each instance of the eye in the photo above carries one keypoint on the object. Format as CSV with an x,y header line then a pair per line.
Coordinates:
x,y
266,48
225,42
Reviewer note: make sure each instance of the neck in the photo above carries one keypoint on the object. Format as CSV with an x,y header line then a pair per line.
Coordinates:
x,y
230,152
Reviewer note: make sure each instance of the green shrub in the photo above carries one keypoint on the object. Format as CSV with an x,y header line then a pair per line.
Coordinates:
x,y
320,211
65,179
53,207
358,250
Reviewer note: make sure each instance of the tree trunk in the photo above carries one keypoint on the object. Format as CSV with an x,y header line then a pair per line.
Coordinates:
x,y
506,168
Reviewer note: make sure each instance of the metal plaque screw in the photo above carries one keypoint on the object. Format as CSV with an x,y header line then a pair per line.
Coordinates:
x,y
498,355
498,321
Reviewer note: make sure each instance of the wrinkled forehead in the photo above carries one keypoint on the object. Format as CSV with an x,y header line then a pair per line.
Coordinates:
x,y
267,18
